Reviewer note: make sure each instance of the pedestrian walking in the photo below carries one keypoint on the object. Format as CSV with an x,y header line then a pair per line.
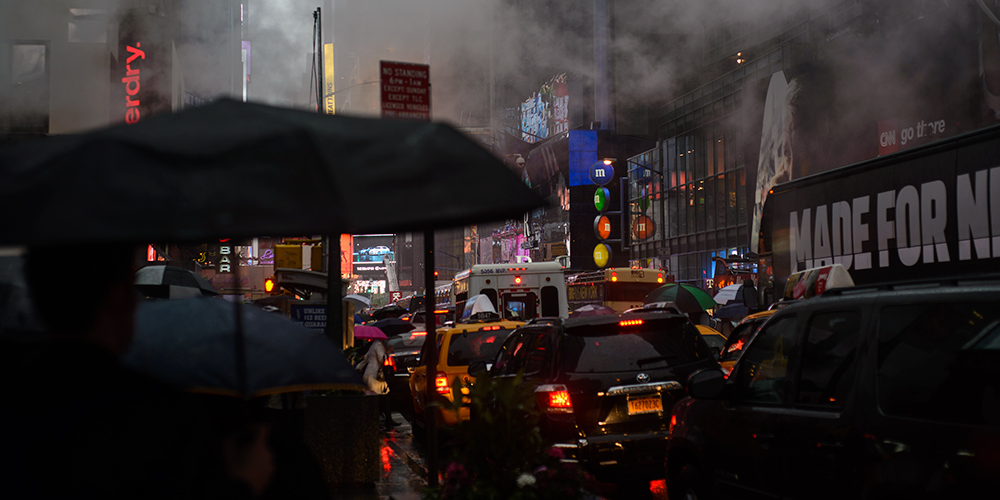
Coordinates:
x,y
373,372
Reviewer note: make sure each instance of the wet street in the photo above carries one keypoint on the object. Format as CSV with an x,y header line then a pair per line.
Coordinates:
x,y
403,472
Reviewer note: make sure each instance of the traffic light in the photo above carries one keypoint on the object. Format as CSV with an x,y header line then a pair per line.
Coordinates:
x,y
270,285
288,256
601,174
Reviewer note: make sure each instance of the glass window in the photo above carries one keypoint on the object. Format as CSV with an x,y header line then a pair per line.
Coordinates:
x,y
710,151
492,294
672,211
539,350
710,204
550,301
938,361
655,344
720,201
741,197
731,200
671,163
738,339
682,208
511,356
692,209
25,81
762,371
700,205
828,359
519,306
475,346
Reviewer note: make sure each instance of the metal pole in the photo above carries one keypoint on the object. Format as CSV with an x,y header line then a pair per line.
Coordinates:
x,y
430,410
319,63
334,298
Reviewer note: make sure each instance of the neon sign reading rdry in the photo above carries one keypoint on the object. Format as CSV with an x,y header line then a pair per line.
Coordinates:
x,y
131,81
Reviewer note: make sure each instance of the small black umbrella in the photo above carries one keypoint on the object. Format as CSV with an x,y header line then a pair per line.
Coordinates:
x,y
393,326
389,311
171,282
189,343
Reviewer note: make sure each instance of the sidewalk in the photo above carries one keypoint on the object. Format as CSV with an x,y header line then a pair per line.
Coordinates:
x,y
402,469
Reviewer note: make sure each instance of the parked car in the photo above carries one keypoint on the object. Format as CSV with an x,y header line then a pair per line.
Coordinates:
x,y
605,385
877,393
478,338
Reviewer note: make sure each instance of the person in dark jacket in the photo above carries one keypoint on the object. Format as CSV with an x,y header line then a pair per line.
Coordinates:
x,y
76,423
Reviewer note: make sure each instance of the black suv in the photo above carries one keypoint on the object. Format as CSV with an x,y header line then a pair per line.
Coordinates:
x,y
606,384
864,392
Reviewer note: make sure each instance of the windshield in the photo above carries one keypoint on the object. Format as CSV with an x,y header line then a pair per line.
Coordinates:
x,y
406,342
654,344
466,348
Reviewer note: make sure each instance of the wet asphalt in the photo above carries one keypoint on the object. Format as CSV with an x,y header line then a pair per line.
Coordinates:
x,y
403,473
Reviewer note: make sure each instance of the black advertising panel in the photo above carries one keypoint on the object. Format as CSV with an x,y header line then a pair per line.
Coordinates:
x,y
931,212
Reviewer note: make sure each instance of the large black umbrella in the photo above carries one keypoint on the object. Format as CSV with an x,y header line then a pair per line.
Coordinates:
x,y
172,282
234,169
189,343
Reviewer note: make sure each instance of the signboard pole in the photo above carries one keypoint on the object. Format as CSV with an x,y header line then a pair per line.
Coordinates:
x,y
430,411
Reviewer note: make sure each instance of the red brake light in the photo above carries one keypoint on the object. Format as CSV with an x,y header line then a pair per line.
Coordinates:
x,y
489,328
417,334
614,276
517,280
659,277
559,399
554,398
441,383
390,361
630,322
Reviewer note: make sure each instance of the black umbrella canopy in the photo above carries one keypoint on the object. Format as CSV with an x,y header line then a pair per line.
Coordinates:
x,y
171,282
234,169
189,343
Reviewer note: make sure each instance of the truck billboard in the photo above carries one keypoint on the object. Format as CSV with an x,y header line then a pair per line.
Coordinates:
x,y
927,212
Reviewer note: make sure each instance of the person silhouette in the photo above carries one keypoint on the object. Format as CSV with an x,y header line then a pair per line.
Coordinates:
x,y
79,424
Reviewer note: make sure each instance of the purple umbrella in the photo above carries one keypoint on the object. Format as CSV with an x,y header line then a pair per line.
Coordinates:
x,y
591,310
368,332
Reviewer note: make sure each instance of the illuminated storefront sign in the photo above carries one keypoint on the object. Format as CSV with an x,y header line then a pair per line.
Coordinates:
x,y
132,83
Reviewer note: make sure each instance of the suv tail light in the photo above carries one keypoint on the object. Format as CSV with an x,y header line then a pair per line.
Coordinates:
x,y
441,383
390,361
553,398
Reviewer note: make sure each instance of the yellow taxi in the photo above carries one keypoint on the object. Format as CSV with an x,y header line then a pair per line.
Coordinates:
x,y
742,333
477,337
712,337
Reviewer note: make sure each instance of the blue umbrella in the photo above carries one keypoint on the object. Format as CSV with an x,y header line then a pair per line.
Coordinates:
x,y
734,309
190,343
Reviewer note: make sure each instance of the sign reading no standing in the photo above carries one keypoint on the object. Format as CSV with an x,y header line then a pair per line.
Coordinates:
x,y
406,90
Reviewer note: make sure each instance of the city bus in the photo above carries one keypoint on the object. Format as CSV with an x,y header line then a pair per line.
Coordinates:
x,y
619,288
519,291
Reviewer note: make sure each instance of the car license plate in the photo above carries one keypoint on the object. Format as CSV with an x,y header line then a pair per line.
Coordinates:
x,y
650,404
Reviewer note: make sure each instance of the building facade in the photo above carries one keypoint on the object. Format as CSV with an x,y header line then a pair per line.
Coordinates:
x,y
810,90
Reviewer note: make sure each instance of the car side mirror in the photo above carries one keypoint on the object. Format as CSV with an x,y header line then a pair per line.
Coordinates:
x,y
717,353
477,368
706,384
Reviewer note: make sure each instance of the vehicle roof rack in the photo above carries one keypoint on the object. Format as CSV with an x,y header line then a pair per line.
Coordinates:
x,y
915,284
